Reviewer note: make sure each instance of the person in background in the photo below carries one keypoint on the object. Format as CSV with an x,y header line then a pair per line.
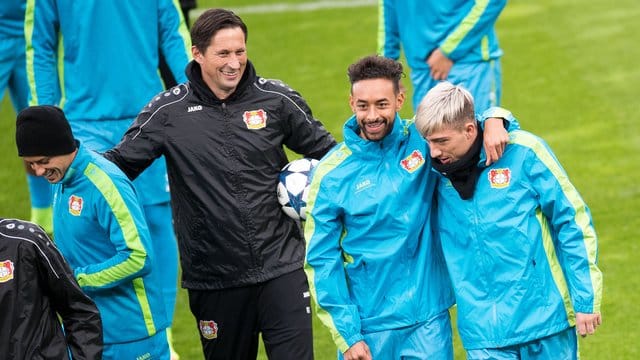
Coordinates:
x,y
102,57
13,76
445,40
517,237
38,291
100,229
223,134
167,77
376,273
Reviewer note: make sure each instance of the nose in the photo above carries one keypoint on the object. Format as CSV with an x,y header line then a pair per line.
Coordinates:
x,y
234,62
371,114
435,152
38,169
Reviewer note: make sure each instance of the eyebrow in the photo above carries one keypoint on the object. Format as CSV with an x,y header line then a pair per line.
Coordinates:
x,y
439,138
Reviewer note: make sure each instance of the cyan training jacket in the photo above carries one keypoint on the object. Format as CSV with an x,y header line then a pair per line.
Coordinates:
x,y
100,229
371,260
12,18
84,71
462,29
522,252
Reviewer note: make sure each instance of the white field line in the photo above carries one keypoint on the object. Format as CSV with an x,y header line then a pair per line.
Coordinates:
x,y
287,7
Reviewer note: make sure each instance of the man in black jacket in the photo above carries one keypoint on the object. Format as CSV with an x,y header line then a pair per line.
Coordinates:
x,y
37,286
222,134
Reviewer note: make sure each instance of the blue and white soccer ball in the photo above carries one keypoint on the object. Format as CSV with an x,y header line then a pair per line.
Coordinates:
x,y
293,187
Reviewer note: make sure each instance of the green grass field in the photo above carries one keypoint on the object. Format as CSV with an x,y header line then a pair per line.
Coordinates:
x,y
571,75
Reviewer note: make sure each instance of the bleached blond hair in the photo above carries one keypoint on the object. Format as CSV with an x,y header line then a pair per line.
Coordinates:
x,y
445,106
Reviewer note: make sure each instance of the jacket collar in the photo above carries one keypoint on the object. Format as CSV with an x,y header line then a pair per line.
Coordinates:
x,y
204,93
77,166
372,148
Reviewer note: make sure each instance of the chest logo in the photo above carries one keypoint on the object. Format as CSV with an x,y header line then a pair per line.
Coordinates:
x,y
75,205
412,162
208,329
363,185
194,108
6,270
255,119
499,178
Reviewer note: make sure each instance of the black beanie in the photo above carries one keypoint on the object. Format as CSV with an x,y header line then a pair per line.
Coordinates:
x,y
43,131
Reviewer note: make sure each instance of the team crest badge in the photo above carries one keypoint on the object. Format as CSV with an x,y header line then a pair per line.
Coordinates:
x,y
6,271
208,329
255,119
412,162
75,205
499,178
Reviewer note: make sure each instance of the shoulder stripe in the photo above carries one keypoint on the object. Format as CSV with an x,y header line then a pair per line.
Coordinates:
x,y
187,90
453,40
382,32
34,244
183,29
286,97
28,33
141,294
554,265
582,218
136,260
333,160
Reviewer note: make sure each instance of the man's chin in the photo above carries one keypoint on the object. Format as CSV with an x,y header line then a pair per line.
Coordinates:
x,y
376,136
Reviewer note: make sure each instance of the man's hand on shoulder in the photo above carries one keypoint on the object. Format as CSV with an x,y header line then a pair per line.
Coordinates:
x,y
495,139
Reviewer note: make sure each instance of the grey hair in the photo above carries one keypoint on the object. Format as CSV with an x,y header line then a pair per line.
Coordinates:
x,y
445,106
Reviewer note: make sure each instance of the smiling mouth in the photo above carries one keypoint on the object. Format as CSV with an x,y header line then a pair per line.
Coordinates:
x,y
374,125
50,174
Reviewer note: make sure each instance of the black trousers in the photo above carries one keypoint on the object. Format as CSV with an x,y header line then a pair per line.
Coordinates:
x,y
230,320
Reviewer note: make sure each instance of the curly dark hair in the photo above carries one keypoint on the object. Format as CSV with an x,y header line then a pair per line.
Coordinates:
x,y
376,67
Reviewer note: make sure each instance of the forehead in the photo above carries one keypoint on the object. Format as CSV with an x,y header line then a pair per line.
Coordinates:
x,y
373,90
444,132
34,159
227,38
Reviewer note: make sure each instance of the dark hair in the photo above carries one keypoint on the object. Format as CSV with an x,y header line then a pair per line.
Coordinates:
x,y
376,67
210,22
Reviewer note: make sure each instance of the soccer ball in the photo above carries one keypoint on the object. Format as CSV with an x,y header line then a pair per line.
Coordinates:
x,y
293,187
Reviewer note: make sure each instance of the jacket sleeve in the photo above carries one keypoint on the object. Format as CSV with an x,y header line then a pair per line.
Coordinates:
x,y
41,35
477,24
119,213
303,133
571,229
175,41
510,122
79,314
142,143
324,266
388,30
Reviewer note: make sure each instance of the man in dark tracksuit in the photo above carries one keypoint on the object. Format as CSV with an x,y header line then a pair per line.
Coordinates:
x,y
37,285
222,134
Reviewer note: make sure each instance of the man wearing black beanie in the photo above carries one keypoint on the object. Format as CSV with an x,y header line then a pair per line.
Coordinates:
x,y
45,141
99,228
